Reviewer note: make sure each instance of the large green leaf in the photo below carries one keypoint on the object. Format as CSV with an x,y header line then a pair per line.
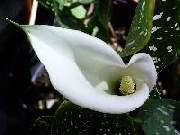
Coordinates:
x,y
140,31
165,39
161,117
73,120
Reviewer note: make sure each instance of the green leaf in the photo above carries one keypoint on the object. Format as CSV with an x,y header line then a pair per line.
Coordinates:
x,y
140,31
165,40
161,117
79,12
86,1
74,11
61,4
68,13
82,1
66,19
103,12
49,4
71,119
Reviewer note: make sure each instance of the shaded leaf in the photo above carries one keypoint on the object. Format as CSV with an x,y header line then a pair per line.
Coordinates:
x,y
66,19
51,4
3,122
42,125
161,117
66,15
43,121
72,15
155,93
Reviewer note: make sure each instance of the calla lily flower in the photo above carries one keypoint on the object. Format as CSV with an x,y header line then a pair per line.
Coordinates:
x,y
87,71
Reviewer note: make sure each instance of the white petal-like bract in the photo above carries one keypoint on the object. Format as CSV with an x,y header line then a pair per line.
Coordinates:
x,y
85,69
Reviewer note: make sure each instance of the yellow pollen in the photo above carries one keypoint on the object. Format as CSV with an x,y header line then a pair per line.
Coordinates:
x,y
127,85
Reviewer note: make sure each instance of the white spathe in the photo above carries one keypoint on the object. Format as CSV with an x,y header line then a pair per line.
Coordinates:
x,y
84,69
